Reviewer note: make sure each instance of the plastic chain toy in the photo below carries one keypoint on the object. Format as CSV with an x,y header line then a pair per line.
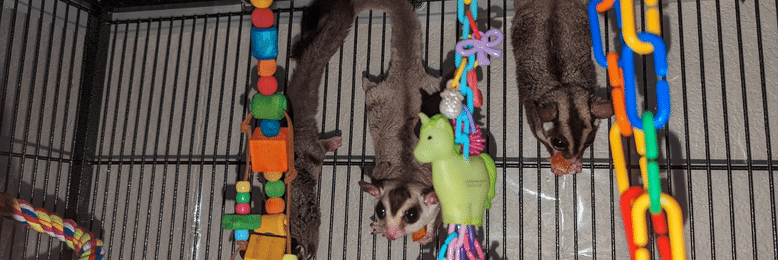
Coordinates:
x,y
85,244
270,151
465,185
666,215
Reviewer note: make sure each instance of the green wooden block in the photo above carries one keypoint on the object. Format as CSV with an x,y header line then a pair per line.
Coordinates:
x,y
243,197
241,222
268,107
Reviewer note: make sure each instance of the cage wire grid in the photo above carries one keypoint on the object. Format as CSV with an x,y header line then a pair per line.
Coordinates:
x,y
127,122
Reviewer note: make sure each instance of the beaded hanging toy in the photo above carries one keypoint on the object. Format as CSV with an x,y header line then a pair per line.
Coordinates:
x,y
270,151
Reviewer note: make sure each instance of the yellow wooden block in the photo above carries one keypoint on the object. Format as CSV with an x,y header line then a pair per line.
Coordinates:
x,y
265,248
290,257
273,224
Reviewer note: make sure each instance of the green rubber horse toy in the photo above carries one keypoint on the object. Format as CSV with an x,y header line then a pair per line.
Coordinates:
x,y
465,188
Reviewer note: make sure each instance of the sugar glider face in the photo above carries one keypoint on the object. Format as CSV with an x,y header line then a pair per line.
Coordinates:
x,y
402,208
567,121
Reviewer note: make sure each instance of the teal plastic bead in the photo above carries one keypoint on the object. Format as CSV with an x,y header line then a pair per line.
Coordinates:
x,y
268,107
241,235
275,189
243,197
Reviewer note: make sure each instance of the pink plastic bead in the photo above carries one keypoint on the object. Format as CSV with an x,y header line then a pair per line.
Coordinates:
x,y
242,208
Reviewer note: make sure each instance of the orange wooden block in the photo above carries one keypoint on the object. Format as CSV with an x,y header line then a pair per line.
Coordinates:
x,y
268,154
265,248
273,224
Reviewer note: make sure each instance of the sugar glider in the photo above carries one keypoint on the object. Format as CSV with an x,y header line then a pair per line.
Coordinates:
x,y
311,54
556,76
401,185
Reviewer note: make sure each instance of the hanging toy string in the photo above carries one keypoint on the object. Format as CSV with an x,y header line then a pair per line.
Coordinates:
x,y
85,244
458,104
474,49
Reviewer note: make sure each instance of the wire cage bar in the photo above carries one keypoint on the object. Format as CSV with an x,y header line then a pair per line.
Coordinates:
x,y
126,119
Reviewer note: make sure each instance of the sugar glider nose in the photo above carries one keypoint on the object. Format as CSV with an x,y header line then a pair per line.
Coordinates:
x,y
392,235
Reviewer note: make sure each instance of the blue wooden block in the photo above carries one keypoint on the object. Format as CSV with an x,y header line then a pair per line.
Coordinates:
x,y
264,43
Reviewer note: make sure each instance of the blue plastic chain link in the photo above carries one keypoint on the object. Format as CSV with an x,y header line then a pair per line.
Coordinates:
x,y
662,87
594,28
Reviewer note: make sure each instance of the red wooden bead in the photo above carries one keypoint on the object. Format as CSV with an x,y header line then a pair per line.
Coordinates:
x,y
242,208
262,17
267,85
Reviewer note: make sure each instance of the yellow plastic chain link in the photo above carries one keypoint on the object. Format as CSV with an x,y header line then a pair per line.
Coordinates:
x,y
628,25
619,163
674,226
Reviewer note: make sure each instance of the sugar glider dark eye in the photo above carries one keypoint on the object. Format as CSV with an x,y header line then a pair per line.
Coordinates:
x,y
412,215
380,212
558,144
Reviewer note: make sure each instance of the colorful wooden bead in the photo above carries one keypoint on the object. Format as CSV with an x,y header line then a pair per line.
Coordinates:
x,y
262,17
241,235
273,176
243,186
242,208
268,107
265,248
264,43
243,197
261,3
273,224
275,205
268,154
275,189
270,128
240,222
266,68
267,85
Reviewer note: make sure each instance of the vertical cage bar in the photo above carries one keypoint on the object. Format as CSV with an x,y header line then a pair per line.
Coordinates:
x,y
93,68
705,130
687,146
746,128
725,118
145,136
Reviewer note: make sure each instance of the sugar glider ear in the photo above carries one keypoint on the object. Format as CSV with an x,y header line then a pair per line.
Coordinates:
x,y
601,109
424,118
367,84
546,112
370,188
430,197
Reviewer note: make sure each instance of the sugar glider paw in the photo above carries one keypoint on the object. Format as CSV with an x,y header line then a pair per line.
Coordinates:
x,y
377,228
334,143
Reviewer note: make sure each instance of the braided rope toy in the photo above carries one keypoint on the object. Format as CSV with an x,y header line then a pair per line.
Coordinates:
x,y
87,246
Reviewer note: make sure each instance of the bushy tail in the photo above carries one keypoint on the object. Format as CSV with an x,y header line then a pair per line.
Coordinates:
x,y
492,169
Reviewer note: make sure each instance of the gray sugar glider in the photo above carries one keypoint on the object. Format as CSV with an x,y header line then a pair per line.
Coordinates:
x,y
324,26
402,186
556,76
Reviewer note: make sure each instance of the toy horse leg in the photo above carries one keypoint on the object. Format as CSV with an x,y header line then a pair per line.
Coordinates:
x,y
492,170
